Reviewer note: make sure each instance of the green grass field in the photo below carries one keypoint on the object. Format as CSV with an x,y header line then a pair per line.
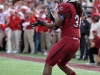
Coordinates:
x,y
43,56
10,66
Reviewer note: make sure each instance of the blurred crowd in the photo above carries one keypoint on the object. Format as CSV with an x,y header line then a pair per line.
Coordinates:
x,y
90,30
18,35
16,26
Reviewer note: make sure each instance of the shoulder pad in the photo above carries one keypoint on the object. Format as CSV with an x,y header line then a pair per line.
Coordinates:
x,y
63,8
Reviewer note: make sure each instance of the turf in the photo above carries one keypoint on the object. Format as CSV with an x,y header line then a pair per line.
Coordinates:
x,y
10,66
74,60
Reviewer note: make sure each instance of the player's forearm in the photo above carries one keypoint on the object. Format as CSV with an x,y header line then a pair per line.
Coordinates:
x,y
50,26
54,25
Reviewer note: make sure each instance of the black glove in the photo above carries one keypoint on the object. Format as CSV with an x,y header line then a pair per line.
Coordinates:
x,y
35,24
41,22
50,15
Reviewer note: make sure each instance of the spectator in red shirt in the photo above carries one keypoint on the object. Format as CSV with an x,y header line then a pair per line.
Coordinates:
x,y
38,31
45,38
37,39
45,34
94,48
23,14
10,28
96,8
29,32
16,26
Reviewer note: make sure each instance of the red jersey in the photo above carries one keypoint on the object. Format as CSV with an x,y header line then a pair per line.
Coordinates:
x,y
70,26
18,23
15,23
96,40
31,20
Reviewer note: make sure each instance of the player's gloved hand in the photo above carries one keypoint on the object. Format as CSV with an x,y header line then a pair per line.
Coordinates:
x,y
51,17
35,24
41,22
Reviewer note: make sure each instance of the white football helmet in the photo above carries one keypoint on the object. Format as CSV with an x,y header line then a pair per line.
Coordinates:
x,y
2,7
70,0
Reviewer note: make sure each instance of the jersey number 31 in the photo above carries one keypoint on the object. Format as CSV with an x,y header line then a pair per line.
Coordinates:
x,y
77,23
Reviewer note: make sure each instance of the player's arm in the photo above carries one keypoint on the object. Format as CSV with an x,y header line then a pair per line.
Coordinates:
x,y
55,25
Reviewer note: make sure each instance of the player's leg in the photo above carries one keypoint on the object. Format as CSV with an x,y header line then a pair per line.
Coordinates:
x,y
67,69
58,52
47,69
53,57
62,63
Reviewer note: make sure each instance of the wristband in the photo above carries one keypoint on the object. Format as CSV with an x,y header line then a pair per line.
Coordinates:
x,y
55,25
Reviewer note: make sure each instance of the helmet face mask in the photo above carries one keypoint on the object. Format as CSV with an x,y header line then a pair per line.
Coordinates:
x,y
69,1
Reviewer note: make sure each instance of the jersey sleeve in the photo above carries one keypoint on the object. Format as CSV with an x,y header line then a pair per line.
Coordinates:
x,y
63,16
63,8
63,11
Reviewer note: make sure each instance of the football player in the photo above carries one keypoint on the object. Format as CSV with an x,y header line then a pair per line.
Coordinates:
x,y
69,18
